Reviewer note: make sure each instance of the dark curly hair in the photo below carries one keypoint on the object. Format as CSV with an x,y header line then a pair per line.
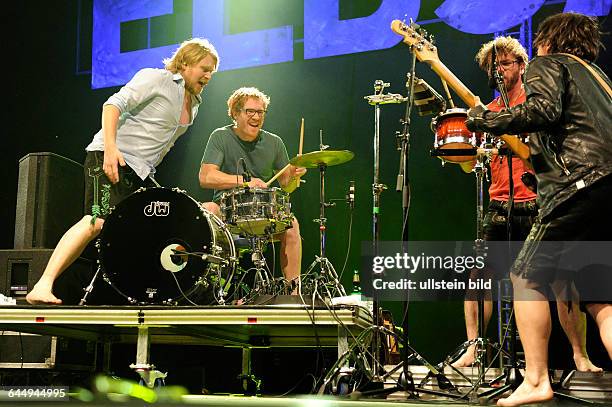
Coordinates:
x,y
571,33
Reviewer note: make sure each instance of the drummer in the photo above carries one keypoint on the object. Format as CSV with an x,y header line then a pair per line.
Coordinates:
x,y
242,150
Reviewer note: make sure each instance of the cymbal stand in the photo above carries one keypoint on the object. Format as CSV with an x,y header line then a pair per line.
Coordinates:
x,y
327,273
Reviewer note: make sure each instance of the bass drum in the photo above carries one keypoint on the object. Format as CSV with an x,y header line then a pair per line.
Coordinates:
x,y
160,246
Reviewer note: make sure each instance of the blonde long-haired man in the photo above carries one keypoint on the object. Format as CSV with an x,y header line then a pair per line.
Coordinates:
x,y
140,123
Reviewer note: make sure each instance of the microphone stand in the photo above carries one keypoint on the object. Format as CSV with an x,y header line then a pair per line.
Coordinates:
x,y
403,186
511,375
377,188
378,373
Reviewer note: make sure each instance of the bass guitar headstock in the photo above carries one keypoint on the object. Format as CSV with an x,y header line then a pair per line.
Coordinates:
x,y
420,41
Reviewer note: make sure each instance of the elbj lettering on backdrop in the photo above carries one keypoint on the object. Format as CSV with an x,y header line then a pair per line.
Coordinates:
x,y
325,34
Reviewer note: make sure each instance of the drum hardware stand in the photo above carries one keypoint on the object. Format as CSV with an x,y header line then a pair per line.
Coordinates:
x,y
360,353
90,287
511,375
105,278
327,273
368,355
376,100
480,342
263,280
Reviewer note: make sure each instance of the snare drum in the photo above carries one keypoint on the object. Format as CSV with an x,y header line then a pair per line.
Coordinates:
x,y
144,243
256,211
452,134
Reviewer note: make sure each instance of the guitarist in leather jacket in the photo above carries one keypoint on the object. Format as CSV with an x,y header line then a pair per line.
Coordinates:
x,y
511,61
568,110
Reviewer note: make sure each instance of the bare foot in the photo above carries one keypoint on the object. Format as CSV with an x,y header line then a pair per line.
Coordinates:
x,y
527,393
584,364
467,359
41,294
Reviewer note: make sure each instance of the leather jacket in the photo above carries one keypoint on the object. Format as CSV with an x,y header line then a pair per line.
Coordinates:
x,y
570,117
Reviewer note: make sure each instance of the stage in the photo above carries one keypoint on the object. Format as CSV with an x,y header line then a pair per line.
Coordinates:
x,y
267,325
246,327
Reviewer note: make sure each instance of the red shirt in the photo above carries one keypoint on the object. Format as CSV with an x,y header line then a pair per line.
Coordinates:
x,y
500,188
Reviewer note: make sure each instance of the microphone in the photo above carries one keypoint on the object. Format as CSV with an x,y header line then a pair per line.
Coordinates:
x,y
493,68
246,175
209,258
350,196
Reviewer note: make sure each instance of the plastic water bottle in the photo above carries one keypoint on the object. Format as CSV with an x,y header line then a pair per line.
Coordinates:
x,y
356,284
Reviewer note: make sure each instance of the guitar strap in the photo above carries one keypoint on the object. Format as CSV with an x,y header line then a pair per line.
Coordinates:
x,y
597,76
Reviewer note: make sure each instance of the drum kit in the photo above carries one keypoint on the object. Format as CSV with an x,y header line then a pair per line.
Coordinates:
x,y
159,246
453,142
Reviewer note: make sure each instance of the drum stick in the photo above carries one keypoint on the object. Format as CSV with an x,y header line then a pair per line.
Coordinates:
x,y
448,94
301,145
278,174
301,138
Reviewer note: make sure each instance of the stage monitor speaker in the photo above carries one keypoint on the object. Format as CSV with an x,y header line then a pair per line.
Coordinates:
x,y
21,269
49,199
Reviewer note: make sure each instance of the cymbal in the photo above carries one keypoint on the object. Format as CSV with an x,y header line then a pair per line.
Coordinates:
x,y
325,157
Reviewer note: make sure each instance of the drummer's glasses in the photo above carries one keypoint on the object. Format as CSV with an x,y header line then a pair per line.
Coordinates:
x,y
507,64
253,112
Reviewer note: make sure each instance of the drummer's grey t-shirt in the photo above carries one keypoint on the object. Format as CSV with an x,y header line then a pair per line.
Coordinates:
x,y
263,157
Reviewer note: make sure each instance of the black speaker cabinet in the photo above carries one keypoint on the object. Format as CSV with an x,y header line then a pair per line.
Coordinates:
x,y
49,199
21,269
19,350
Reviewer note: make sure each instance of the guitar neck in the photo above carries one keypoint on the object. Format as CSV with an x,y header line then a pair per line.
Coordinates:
x,y
455,83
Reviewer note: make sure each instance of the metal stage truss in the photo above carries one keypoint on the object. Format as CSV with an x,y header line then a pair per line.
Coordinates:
x,y
239,326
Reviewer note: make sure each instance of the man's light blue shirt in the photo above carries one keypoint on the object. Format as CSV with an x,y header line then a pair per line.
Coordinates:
x,y
150,107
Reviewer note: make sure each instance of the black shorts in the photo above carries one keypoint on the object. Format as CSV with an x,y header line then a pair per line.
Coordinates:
x,y
585,217
100,194
495,224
